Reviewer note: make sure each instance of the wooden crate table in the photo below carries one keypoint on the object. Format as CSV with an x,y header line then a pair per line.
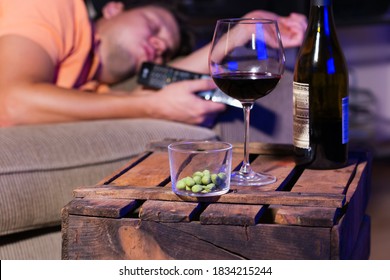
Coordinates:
x,y
306,214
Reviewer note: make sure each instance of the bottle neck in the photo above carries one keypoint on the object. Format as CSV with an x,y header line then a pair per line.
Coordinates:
x,y
321,16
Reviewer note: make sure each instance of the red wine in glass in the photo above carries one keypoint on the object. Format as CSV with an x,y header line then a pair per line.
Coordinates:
x,y
246,86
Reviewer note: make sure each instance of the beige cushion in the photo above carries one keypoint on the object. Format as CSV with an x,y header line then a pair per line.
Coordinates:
x,y
44,244
41,165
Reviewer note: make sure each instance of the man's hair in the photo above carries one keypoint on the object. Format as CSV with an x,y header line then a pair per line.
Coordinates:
x,y
187,37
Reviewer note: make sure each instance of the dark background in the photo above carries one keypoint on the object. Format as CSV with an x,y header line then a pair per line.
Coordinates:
x,y
344,9
202,14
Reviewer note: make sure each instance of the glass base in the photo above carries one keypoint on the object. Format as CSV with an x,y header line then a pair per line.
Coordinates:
x,y
239,178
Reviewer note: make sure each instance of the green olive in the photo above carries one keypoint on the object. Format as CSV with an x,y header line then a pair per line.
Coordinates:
x,y
197,173
197,179
197,188
180,185
222,175
210,187
206,179
206,172
214,178
189,181
221,178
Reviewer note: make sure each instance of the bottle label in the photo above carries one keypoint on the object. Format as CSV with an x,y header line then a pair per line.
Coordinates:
x,y
301,115
301,125
345,120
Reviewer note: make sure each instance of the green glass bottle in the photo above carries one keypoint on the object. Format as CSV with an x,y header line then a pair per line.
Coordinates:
x,y
320,94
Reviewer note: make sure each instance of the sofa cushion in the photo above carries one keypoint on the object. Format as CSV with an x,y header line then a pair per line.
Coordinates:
x,y
40,165
40,244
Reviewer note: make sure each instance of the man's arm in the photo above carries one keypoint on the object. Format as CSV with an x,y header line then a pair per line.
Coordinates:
x,y
28,95
292,30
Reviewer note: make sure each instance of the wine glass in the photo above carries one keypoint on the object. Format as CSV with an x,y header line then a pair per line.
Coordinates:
x,y
246,62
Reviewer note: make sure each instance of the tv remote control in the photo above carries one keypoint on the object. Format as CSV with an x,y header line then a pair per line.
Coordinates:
x,y
158,76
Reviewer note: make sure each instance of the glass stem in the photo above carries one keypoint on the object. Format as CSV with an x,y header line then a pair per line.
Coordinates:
x,y
245,167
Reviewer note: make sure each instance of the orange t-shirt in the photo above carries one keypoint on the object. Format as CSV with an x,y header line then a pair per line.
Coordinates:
x,y
62,28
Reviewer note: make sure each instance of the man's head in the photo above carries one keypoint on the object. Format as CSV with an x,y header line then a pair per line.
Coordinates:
x,y
130,37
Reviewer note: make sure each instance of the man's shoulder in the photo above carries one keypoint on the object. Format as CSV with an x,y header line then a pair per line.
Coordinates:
x,y
22,11
52,24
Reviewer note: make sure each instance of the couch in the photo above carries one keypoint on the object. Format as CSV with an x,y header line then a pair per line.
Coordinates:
x,y
40,165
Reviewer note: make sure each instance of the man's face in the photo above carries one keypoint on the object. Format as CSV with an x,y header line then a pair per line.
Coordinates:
x,y
135,36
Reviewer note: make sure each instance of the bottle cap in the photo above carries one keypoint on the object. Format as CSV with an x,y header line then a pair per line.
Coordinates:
x,y
321,2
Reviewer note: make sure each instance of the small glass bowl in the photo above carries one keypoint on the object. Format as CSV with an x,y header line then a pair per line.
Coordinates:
x,y
200,168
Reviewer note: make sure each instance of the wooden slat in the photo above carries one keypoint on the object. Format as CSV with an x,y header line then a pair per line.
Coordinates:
x,y
111,208
324,181
119,239
304,216
90,238
108,179
168,211
231,214
280,167
151,171
237,196
257,242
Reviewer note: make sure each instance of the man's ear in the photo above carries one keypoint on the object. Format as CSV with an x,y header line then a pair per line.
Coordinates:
x,y
112,9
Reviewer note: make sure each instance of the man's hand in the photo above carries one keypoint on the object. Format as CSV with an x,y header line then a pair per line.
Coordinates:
x,y
292,28
178,102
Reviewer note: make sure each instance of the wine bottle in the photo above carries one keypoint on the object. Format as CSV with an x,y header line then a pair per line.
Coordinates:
x,y
320,94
